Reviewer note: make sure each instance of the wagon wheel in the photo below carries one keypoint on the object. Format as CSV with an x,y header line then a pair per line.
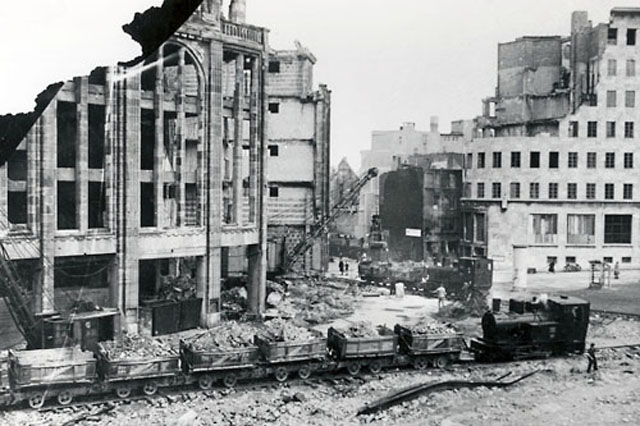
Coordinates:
x,y
65,398
305,372
36,400
420,364
230,380
442,361
123,392
353,369
150,388
205,382
281,374
375,367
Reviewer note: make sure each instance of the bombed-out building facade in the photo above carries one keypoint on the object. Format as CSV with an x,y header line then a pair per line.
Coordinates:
x,y
145,170
555,174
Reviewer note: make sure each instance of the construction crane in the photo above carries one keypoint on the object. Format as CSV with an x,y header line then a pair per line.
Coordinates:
x,y
321,226
17,301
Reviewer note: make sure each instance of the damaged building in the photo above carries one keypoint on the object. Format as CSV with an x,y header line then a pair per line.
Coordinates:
x,y
151,169
555,174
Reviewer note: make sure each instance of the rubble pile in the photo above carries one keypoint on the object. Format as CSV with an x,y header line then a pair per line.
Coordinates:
x,y
358,330
136,346
427,326
182,287
227,336
278,330
316,302
234,300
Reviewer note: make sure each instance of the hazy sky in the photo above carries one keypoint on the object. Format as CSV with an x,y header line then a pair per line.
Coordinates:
x,y
386,61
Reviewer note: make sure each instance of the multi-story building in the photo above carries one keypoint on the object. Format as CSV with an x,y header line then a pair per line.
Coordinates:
x,y
556,173
298,156
144,168
342,232
393,147
420,208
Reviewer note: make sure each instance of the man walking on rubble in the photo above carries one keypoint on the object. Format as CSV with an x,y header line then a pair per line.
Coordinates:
x,y
591,356
442,296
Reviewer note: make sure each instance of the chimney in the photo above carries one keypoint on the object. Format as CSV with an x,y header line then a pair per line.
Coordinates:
x,y
238,11
434,124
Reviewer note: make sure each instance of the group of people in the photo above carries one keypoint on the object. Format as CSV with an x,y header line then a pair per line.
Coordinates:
x,y
344,267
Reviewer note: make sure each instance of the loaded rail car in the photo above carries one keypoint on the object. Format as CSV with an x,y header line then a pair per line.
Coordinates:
x,y
537,328
302,358
436,350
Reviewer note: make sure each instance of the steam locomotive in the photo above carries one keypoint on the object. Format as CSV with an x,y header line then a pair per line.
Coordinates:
x,y
541,327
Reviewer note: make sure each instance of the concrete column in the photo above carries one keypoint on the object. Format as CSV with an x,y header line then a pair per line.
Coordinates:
x,y
158,162
33,162
210,313
181,132
48,154
254,279
109,152
131,198
82,152
238,119
254,138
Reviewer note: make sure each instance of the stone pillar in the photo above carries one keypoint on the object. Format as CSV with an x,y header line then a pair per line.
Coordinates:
x,y
181,132
48,154
131,198
4,195
33,186
82,152
238,121
254,140
210,313
109,153
158,162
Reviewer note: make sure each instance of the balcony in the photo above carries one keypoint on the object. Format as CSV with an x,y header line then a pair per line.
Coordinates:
x,y
243,32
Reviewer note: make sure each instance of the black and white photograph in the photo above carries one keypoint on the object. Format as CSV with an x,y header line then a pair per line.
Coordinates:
x,y
319,212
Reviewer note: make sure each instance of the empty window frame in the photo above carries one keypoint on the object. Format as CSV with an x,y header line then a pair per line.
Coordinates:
x,y
469,162
573,129
630,98
631,36
96,205
627,191
67,134
17,207
617,229
544,228
534,160
592,129
515,159
274,107
590,192
96,136
514,190
534,190
147,139
554,159
147,205
496,190
612,36
628,129
628,160
274,192
626,259
581,229
612,67
274,151
631,68
497,160
609,191
572,191
610,160
67,205
481,160
572,160
274,66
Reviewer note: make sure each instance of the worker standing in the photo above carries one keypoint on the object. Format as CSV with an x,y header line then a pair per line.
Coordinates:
x,y
591,356
341,267
616,271
441,292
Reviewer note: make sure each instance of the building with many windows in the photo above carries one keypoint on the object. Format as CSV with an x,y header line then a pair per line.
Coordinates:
x,y
146,169
557,169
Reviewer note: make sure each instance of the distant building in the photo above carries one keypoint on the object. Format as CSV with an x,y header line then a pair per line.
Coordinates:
x,y
298,170
557,170
420,208
393,147
342,231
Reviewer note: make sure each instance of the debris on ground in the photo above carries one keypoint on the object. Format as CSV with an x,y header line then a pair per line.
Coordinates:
x,y
358,330
137,346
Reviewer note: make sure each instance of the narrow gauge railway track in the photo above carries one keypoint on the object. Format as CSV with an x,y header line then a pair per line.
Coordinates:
x,y
186,392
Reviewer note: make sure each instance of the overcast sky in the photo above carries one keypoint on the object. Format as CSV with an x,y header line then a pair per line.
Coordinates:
x,y
386,61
